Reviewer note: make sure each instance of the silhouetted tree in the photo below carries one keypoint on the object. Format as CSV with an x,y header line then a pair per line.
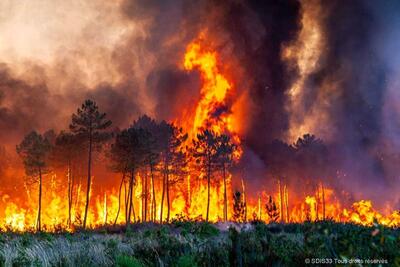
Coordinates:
x,y
173,160
205,150
225,153
67,150
34,151
272,210
151,156
89,125
239,207
311,157
127,155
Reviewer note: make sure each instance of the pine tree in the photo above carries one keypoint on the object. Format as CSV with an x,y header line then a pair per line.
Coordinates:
x,y
205,151
89,125
225,152
67,151
34,151
127,155
174,160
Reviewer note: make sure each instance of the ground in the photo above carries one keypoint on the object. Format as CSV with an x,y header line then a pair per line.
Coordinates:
x,y
183,243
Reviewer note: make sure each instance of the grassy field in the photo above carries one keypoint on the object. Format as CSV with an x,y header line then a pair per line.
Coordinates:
x,y
202,244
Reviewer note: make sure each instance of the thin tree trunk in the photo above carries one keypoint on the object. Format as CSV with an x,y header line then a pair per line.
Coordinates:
x,y
72,194
130,199
225,197
168,200
280,201
323,201
69,194
128,221
142,196
38,223
105,209
162,199
245,201
317,201
145,196
89,180
154,193
287,203
119,198
208,190
126,201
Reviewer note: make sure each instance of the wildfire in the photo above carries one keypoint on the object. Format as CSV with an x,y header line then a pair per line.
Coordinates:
x,y
209,111
189,197
212,111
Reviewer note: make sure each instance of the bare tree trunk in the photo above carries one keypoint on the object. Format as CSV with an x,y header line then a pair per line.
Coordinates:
x,y
162,199
323,202
130,197
69,194
225,197
208,190
72,194
287,203
105,209
89,180
119,198
317,201
168,200
38,223
280,201
145,196
126,199
244,201
142,196
154,205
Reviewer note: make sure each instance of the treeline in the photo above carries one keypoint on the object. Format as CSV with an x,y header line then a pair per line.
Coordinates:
x,y
162,154
161,150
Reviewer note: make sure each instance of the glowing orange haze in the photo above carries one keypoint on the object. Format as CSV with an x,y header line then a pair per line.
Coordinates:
x,y
189,198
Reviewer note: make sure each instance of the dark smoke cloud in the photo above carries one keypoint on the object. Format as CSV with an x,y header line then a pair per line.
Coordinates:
x,y
259,30
26,106
170,86
23,106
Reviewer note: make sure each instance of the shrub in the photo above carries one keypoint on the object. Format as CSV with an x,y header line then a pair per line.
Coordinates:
x,y
127,261
186,261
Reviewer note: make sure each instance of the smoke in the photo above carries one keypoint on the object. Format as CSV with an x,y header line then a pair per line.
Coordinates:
x,y
343,98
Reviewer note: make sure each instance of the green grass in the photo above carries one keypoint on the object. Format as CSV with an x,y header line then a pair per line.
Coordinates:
x,y
197,244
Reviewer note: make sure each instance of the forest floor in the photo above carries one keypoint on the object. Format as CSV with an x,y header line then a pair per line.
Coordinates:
x,y
185,243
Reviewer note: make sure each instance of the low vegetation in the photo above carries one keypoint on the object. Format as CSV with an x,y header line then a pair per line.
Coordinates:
x,y
185,243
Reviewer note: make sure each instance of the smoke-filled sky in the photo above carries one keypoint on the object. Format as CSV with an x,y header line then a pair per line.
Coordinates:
x,y
330,68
